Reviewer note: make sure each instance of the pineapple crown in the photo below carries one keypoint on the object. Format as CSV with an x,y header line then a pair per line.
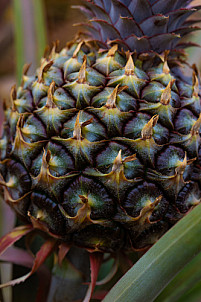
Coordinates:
x,y
140,25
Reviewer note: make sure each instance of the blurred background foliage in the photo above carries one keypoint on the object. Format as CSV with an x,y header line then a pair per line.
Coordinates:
x,y
26,28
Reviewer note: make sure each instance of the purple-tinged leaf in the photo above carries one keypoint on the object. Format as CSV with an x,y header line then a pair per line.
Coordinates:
x,y
99,12
41,256
108,31
111,273
164,41
17,256
84,10
178,17
155,25
188,44
90,29
10,238
186,30
127,26
21,257
95,263
166,6
139,44
118,9
63,250
140,8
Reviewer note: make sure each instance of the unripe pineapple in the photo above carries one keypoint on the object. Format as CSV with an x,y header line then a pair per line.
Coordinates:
x,y
101,147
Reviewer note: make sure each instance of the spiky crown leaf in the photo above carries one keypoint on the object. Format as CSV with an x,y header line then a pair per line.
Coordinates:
x,y
140,25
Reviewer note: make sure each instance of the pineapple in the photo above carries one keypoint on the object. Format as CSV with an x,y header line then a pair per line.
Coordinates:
x,y
101,147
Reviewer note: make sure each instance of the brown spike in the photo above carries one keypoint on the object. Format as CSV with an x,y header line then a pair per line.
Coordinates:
x,y
77,132
129,158
45,66
54,48
82,73
122,88
117,165
84,124
112,51
26,68
24,72
45,161
196,126
77,49
182,166
82,217
48,156
111,102
195,85
130,67
46,51
148,210
13,94
83,198
50,101
20,122
147,130
117,173
166,95
166,68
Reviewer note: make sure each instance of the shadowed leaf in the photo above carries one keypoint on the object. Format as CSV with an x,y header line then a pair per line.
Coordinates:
x,y
147,278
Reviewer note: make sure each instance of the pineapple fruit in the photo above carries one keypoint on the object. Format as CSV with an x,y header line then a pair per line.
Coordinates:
x,y
101,147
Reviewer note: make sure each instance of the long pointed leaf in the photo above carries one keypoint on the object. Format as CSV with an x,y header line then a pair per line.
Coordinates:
x,y
147,278
183,282
95,263
10,238
194,295
41,256
40,27
19,37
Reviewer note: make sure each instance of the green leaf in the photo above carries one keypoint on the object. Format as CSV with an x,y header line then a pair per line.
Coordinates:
x,y
40,27
45,250
19,37
30,33
69,280
151,274
194,295
183,282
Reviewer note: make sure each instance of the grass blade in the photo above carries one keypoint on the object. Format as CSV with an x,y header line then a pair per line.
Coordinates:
x,y
40,27
19,37
152,273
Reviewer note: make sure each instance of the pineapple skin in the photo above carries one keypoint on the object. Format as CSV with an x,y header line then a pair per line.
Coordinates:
x,y
101,147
